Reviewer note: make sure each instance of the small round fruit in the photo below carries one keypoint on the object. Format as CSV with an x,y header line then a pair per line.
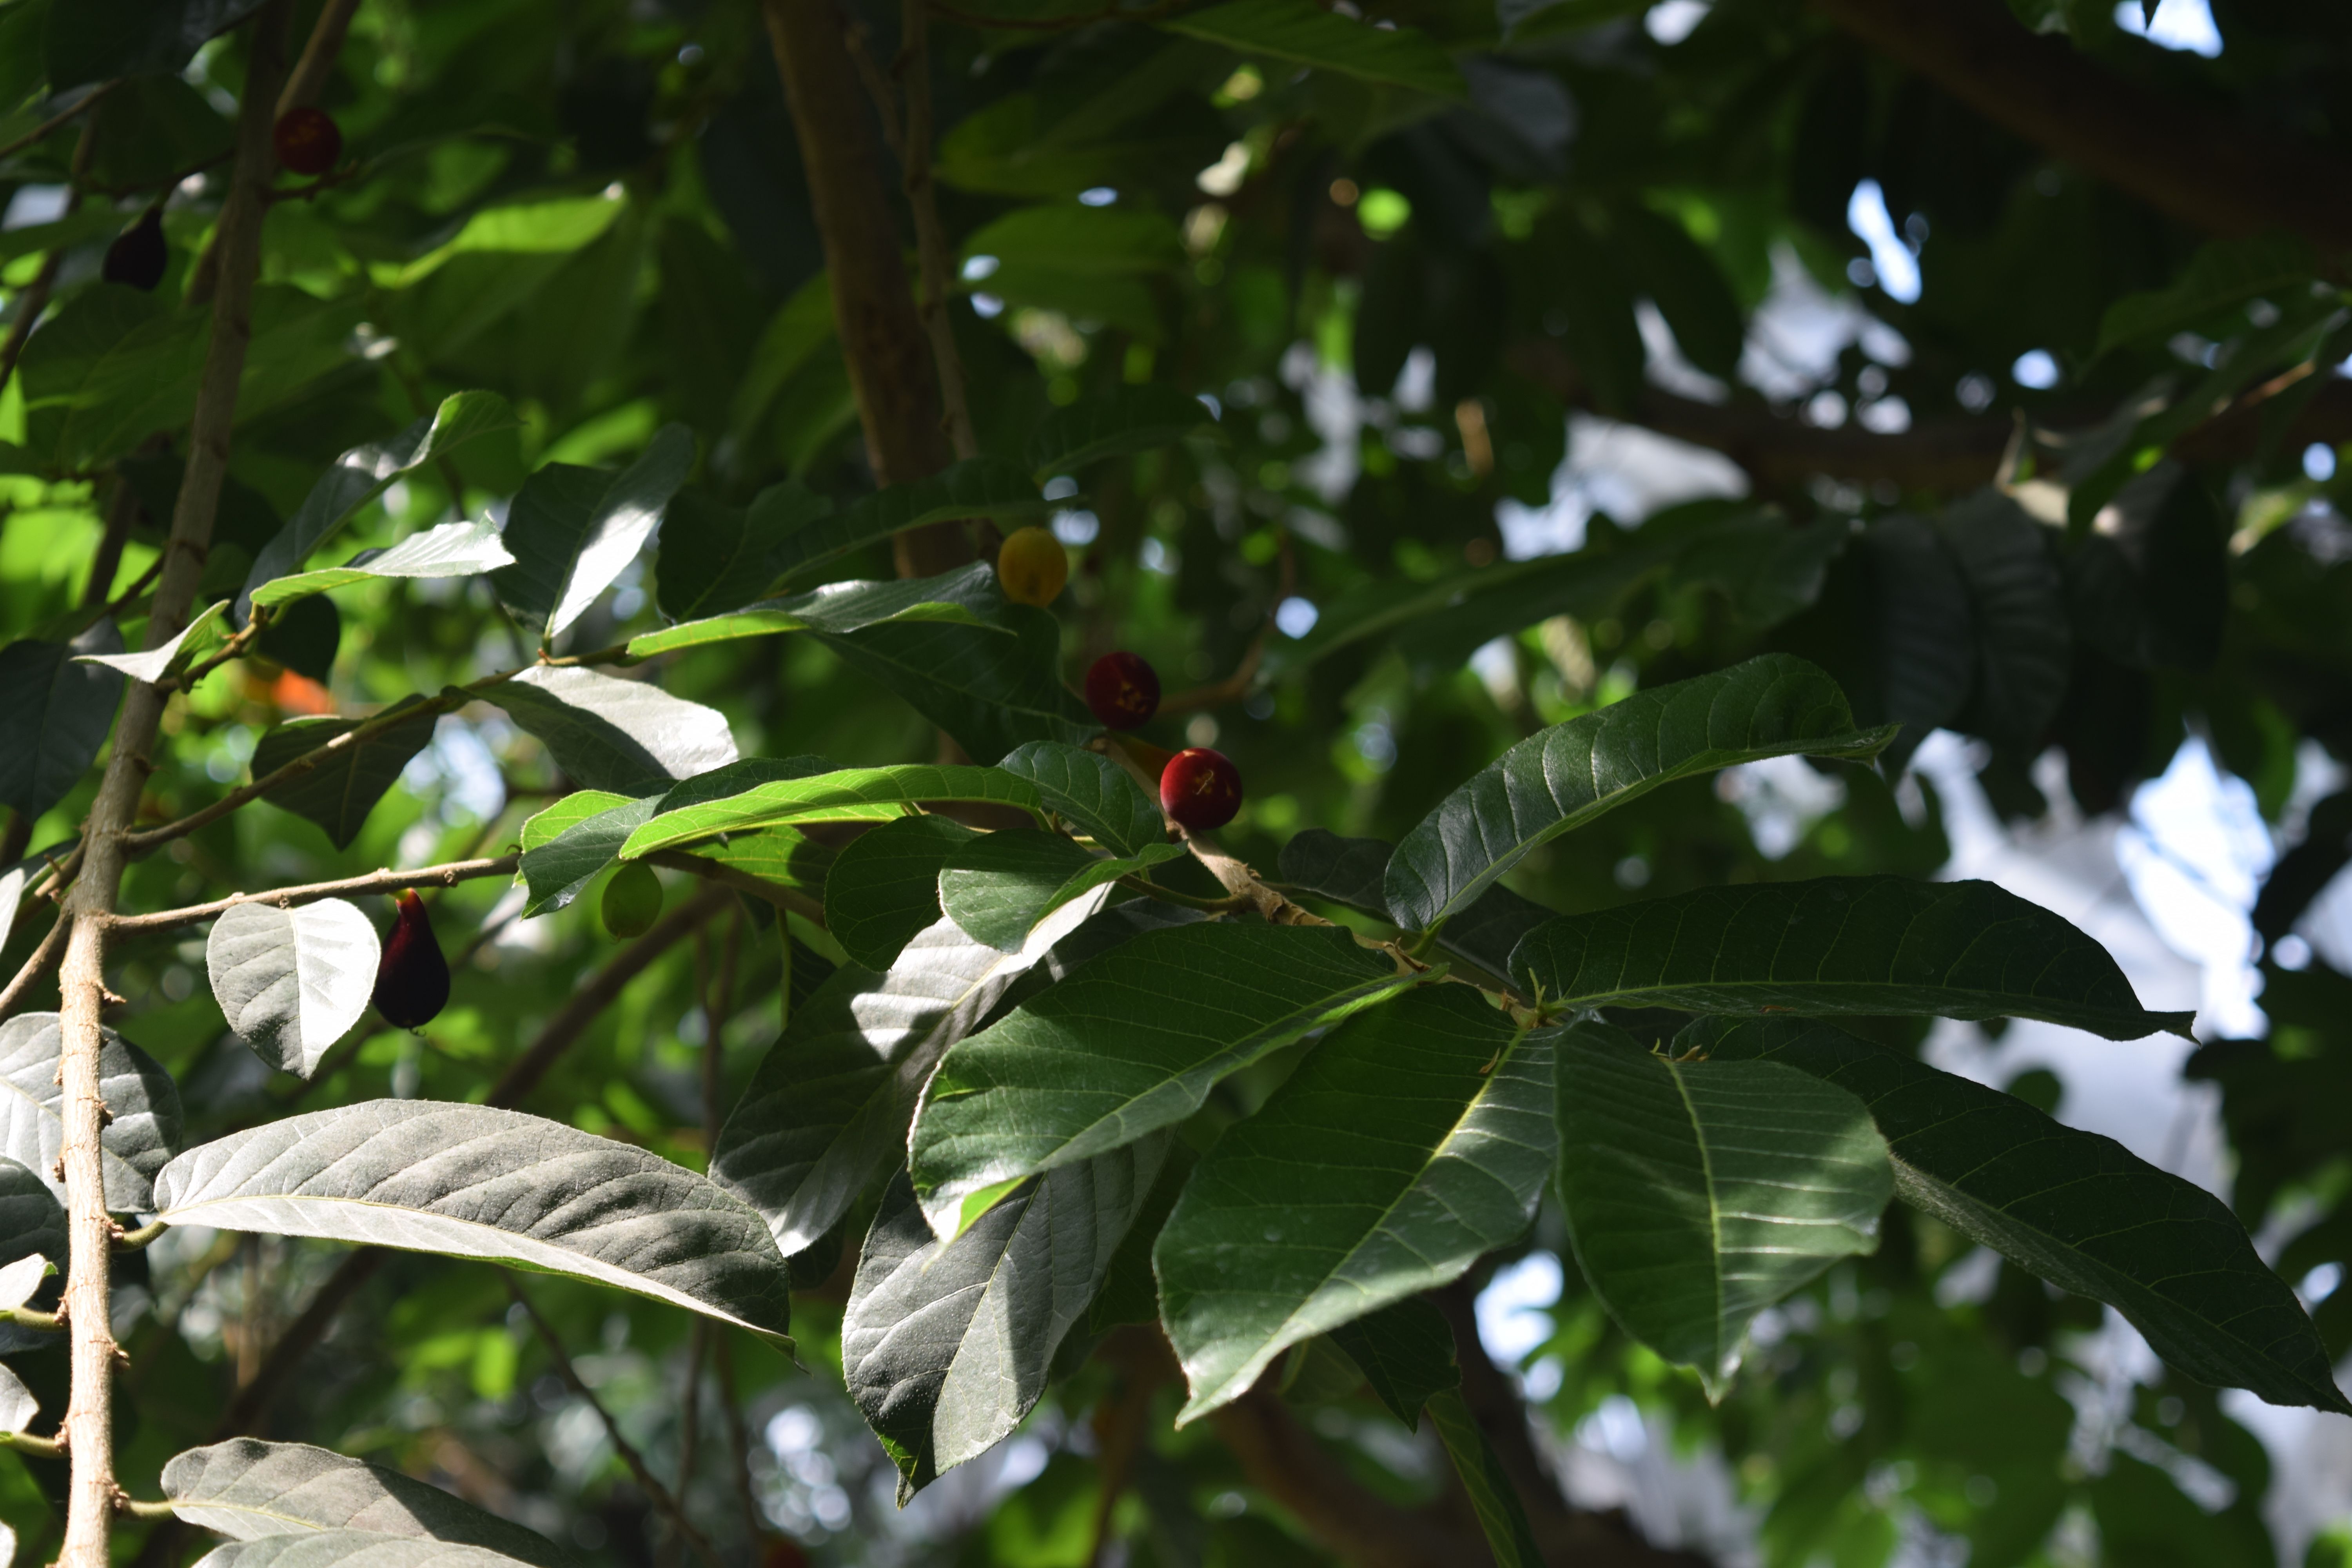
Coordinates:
x,y
1199,789
1032,567
1123,689
632,901
138,255
412,978
308,140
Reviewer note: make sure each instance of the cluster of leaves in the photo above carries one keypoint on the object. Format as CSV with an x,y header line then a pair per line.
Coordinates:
x,y
1028,1092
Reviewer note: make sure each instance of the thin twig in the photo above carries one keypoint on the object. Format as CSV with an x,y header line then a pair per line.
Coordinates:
x,y
88,100
287,898
43,959
655,1491
309,77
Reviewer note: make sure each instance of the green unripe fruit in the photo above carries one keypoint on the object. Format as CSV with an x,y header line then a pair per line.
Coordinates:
x,y
632,901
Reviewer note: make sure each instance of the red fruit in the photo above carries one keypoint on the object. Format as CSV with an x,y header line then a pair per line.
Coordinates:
x,y
412,980
307,140
1123,689
1199,789
138,255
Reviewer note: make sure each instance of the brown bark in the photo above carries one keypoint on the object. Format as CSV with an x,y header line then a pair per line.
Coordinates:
x,y
2211,171
880,330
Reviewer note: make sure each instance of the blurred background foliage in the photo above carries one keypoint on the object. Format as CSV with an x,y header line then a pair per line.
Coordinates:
x,y
1555,350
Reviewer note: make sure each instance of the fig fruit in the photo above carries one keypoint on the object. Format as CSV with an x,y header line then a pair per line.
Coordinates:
x,y
411,979
632,901
138,255
1031,567
307,140
1199,789
1123,689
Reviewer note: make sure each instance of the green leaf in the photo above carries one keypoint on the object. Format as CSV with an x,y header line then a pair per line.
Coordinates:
x,y
17,1405
1000,886
343,787
1410,1141
565,846
1492,1497
55,714
1838,945
196,638
471,1180
945,1346
1133,1041
245,1489
1301,33
826,1111
362,474
627,736
573,530
885,887
1067,236
2223,273
967,596
1352,871
1690,289
449,550
1926,628
1571,774
1131,419
780,857
1697,1194
977,487
353,1548
143,1102
2017,603
110,38
2081,1211
1405,1352
32,1231
991,692
716,558
1092,793
845,795
290,982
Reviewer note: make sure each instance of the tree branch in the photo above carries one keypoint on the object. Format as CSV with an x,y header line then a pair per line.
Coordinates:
x,y
2214,172
287,898
89,1427
882,338
43,958
655,1491
309,77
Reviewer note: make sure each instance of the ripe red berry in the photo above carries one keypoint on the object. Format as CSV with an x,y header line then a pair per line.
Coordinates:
x,y
1123,689
1199,789
411,979
308,140
138,255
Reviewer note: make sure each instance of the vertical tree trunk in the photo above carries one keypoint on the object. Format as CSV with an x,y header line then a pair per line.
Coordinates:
x,y
881,332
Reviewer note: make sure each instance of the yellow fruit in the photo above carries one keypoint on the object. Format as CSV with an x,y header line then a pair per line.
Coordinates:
x,y
632,901
1032,567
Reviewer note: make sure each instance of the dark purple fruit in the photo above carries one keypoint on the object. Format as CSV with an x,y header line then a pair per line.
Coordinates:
x,y
412,980
308,140
1123,689
138,255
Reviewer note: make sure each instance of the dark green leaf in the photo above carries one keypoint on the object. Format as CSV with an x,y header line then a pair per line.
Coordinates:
x,y
1926,631
1131,419
470,1181
54,715
2223,273
1571,774
572,530
565,846
2018,603
1092,793
1697,1194
1299,33
1838,945
1000,886
102,39
245,1489
977,487
716,558
362,474
1130,1042
1410,1141
2077,1209
827,1108
1689,289
991,692
627,736
947,1345
885,887
1351,871
843,794
1500,1514
141,1099
343,787
1406,1354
